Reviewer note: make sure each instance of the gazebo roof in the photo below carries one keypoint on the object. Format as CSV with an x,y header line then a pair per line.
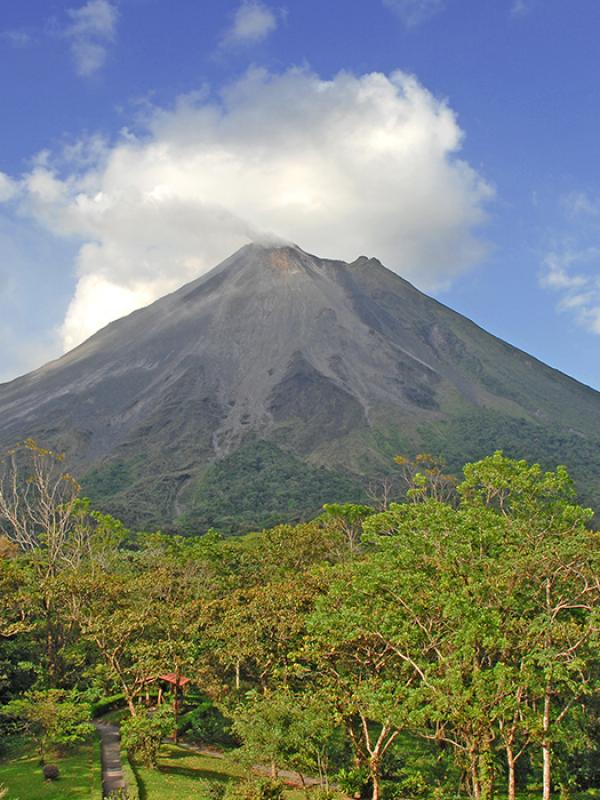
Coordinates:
x,y
176,680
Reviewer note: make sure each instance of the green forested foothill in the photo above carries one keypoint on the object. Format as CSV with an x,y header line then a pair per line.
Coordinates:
x,y
446,645
472,436
261,485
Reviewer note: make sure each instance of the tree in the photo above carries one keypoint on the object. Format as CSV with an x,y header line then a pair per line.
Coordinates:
x,y
504,590
115,612
53,718
55,532
256,633
553,581
349,517
38,513
292,730
15,597
425,477
38,503
368,678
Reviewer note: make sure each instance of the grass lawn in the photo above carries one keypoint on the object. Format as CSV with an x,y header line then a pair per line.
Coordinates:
x,y
80,775
181,775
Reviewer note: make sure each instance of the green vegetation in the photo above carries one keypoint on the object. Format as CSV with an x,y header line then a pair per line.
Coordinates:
x,y
184,775
142,734
447,645
53,718
21,774
261,485
130,776
472,436
105,481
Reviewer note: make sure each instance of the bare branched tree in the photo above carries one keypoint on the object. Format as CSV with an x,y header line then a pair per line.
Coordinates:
x,y
40,513
383,491
425,477
38,502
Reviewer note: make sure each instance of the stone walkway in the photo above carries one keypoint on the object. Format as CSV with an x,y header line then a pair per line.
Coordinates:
x,y
112,773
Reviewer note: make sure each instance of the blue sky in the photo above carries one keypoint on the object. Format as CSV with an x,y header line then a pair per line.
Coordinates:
x,y
142,140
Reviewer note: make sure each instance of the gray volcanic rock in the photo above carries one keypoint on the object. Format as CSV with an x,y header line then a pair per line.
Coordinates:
x,y
336,365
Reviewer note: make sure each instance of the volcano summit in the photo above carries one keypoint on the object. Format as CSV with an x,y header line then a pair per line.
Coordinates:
x,y
279,381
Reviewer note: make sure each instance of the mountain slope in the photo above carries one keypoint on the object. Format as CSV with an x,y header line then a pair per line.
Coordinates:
x,y
335,366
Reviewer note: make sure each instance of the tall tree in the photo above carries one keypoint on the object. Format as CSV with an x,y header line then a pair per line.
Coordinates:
x,y
550,573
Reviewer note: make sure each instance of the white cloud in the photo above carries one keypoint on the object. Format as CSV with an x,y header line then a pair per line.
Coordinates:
x,y
414,12
344,167
575,275
520,8
572,269
252,23
91,29
8,188
580,204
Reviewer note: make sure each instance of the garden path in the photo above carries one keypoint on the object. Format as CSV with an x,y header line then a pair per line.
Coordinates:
x,y
112,772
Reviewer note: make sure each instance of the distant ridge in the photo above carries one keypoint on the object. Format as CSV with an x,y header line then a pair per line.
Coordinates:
x,y
279,381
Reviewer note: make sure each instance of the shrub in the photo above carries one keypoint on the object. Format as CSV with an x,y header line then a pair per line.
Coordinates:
x,y
323,794
413,784
51,772
205,723
269,789
142,735
215,790
107,704
352,781
133,790
255,789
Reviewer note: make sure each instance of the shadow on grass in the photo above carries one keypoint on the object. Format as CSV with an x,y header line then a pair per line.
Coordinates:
x,y
174,753
198,774
142,791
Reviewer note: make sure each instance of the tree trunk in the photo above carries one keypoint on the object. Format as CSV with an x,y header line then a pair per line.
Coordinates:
x,y
304,786
376,782
547,771
512,781
130,703
486,773
52,644
546,747
176,695
475,785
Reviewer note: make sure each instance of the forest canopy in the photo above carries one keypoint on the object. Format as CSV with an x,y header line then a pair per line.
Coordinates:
x,y
444,642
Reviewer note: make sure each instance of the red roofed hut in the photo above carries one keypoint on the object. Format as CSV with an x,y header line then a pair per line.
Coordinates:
x,y
176,683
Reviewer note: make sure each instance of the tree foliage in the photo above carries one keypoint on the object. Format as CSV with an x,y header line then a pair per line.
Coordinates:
x,y
459,625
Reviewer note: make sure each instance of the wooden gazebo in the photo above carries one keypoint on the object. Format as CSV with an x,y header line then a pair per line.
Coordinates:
x,y
176,682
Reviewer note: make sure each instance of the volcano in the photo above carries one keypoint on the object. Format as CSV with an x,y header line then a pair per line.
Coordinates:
x,y
279,381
